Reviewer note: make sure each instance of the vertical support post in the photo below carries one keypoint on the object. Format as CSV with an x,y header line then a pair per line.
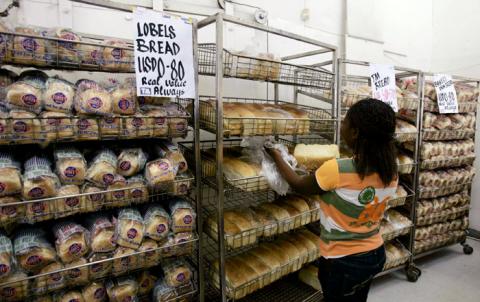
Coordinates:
x,y
337,104
219,162
198,168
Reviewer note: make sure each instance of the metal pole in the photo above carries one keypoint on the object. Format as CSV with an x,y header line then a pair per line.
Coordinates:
x,y
337,104
219,140
198,167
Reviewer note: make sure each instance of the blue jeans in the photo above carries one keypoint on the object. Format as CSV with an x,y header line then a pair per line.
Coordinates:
x,y
348,278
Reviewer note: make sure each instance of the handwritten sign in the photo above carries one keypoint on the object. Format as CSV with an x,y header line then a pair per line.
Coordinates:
x,y
446,94
383,84
163,48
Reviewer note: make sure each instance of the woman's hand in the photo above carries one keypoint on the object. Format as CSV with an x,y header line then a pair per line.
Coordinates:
x,y
274,153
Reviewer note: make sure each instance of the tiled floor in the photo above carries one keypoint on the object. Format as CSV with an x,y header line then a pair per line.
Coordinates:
x,y
448,275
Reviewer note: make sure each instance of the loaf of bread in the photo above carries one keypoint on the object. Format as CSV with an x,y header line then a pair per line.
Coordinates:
x,y
149,256
117,56
158,121
43,299
70,166
405,164
92,99
38,179
131,161
10,214
309,276
124,100
6,257
95,292
404,127
58,95
51,282
117,194
102,233
100,269
69,205
77,276
32,250
10,178
17,291
55,126
28,50
313,156
5,43
94,197
71,241
26,94
269,223
126,261
66,52
102,169
68,296
86,128
39,211
5,129
163,292
183,216
90,54
138,190
129,228
146,281
122,289
25,127
282,216
157,223
159,172
110,126
177,273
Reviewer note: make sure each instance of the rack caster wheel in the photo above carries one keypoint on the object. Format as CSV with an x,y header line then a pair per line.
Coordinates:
x,y
413,274
467,250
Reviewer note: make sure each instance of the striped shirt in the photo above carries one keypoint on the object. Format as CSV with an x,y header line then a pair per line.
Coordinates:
x,y
351,208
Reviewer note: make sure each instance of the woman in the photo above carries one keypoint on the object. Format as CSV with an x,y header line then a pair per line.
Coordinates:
x,y
354,193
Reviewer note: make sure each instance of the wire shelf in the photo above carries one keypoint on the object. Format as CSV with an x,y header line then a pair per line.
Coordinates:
x,y
440,135
463,107
397,201
254,117
394,233
396,262
237,65
406,103
44,130
406,168
128,264
32,211
432,192
431,164
45,52
444,215
423,246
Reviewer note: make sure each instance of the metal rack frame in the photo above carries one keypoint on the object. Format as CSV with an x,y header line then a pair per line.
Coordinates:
x,y
401,72
219,72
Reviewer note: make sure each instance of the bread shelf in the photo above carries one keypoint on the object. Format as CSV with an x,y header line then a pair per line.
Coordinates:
x,y
424,247
432,192
44,130
463,107
429,164
130,263
397,201
444,215
390,264
440,135
268,122
237,65
32,211
388,236
45,52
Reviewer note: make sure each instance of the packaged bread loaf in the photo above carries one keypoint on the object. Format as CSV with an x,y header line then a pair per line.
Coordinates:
x,y
7,77
38,179
149,256
124,100
129,228
125,260
158,121
10,178
70,166
94,198
68,52
178,244
78,272
10,214
182,216
159,172
69,296
117,194
58,95
163,292
55,280
102,169
136,126
146,281
95,292
71,241
71,204
39,211
110,126
32,250
131,161
92,99
122,289
177,121
17,291
171,152
26,94
138,190
5,129
117,56
102,233
98,268
28,50
86,128
313,156
55,126
90,54
6,41
6,257
157,222
25,127
177,273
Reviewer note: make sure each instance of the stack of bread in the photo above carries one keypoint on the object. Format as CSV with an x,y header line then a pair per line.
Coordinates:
x,y
249,119
106,181
42,110
394,224
422,233
266,263
396,254
399,198
404,131
405,164
245,226
253,65
427,207
436,179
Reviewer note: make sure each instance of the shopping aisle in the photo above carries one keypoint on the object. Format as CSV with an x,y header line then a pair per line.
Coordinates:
x,y
448,275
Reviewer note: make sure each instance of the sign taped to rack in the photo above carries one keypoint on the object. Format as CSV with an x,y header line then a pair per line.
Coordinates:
x,y
446,93
383,84
163,48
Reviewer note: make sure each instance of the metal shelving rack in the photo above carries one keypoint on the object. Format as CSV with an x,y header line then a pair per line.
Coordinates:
x,y
346,96
220,193
181,185
428,105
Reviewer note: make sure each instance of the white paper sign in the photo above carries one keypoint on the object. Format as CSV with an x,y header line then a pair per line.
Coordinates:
x,y
383,84
446,94
163,55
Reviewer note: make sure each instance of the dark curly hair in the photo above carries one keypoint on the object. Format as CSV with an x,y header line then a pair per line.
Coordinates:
x,y
374,148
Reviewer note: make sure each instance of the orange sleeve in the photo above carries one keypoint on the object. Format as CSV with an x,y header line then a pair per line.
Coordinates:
x,y
328,175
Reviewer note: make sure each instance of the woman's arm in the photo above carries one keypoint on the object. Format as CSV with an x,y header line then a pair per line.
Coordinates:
x,y
301,184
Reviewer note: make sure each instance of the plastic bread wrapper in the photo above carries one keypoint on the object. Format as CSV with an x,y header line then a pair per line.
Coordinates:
x,y
7,261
